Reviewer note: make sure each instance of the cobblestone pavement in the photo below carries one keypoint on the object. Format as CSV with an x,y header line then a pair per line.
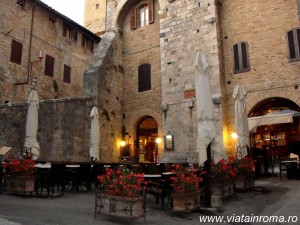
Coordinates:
x,y
271,196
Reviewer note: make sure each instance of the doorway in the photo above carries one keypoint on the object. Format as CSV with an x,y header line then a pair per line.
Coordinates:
x,y
146,134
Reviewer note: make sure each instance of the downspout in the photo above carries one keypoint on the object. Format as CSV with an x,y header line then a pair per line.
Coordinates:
x,y
30,45
298,9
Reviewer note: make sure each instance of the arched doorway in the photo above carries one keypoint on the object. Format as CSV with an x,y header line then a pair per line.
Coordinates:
x,y
146,133
276,138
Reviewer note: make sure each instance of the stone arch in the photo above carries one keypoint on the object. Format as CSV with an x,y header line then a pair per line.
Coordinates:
x,y
119,8
282,93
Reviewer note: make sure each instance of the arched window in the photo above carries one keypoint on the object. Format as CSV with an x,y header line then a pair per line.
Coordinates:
x,y
144,77
293,40
240,57
143,14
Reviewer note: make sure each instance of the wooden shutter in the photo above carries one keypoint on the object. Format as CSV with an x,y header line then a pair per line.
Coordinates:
x,y
83,41
91,45
67,74
16,52
291,43
236,57
74,34
244,56
133,22
64,29
144,77
49,66
151,11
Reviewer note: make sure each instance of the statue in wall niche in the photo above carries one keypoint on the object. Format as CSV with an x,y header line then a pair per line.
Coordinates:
x,y
207,130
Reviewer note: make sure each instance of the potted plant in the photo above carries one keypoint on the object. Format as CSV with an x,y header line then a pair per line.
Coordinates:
x,y
222,177
121,194
245,172
186,191
20,176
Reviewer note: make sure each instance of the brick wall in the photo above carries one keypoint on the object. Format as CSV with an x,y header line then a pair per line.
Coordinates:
x,y
47,37
263,24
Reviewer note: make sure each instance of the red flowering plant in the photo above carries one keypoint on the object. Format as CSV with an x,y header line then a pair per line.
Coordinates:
x,y
122,182
185,180
20,167
222,172
244,166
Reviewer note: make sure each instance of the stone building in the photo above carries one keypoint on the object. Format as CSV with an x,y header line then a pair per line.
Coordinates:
x,y
150,46
41,47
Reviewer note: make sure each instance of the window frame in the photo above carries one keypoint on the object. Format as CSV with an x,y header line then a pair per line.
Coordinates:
x,y
145,9
16,52
69,31
240,55
296,44
135,14
67,74
49,66
144,74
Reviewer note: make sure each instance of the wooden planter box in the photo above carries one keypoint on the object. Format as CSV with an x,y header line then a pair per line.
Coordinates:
x,y
120,206
185,202
244,182
19,184
222,190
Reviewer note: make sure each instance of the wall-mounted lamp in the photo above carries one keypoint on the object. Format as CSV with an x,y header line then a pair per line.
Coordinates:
x,y
169,135
169,141
122,143
191,104
40,55
158,140
234,135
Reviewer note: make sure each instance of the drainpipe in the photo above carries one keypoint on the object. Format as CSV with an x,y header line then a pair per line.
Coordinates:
x,y
29,65
298,9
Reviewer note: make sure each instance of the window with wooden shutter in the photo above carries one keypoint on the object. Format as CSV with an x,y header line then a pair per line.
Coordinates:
x,y
74,34
144,77
293,39
133,22
240,57
151,11
16,52
64,30
67,74
49,66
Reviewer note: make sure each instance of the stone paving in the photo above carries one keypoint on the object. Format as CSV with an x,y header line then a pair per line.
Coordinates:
x,y
271,196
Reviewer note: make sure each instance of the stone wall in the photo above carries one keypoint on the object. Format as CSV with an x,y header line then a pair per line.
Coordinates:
x,y
185,28
63,132
103,81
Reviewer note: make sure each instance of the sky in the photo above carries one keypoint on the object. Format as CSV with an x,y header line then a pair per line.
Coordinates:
x,y
74,9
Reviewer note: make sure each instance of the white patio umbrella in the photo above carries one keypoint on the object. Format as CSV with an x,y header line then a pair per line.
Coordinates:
x,y
94,135
31,143
207,131
241,122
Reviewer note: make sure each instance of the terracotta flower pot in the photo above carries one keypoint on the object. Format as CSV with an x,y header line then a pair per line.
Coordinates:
x,y
120,206
185,202
19,184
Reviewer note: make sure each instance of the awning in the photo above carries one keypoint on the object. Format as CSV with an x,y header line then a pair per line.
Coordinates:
x,y
284,116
